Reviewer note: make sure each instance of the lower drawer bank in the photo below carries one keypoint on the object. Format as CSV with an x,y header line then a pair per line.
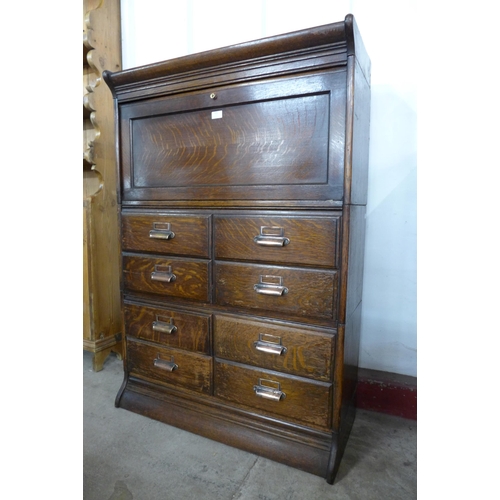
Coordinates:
x,y
261,386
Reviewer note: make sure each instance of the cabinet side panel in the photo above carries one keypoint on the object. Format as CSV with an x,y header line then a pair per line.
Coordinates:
x,y
360,137
347,355
356,258
353,266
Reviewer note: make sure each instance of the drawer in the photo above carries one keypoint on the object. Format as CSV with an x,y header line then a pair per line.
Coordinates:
x,y
183,278
169,327
305,352
166,233
301,292
289,240
274,394
170,366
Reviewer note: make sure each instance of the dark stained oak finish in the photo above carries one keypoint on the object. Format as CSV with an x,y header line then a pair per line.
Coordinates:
x,y
242,195
169,327
237,384
309,293
172,234
309,241
258,143
189,277
275,140
306,352
193,371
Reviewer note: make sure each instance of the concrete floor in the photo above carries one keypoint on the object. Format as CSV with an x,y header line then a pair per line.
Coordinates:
x,y
127,456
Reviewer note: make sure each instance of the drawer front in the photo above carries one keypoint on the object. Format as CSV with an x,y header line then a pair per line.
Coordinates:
x,y
301,292
187,279
297,351
298,240
168,327
294,399
166,233
170,366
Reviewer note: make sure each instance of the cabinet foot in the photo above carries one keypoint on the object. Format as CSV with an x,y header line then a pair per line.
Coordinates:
x,y
101,349
99,358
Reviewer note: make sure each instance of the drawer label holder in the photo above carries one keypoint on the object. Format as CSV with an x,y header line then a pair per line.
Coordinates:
x,y
270,344
269,389
164,325
270,285
163,273
168,366
161,231
271,236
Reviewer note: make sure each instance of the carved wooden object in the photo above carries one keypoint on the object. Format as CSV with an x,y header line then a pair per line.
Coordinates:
x,y
102,324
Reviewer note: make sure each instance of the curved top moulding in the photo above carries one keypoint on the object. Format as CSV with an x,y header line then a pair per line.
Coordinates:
x,y
281,54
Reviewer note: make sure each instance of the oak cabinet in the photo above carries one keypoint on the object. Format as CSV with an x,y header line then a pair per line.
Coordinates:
x,y
242,192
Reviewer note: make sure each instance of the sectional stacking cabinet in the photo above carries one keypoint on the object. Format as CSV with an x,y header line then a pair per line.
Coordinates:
x,y
243,182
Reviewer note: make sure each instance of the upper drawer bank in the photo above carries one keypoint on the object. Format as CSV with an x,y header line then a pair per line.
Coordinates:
x,y
281,139
166,233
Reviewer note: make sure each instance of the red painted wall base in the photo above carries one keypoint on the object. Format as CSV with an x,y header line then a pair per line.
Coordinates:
x,y
388,393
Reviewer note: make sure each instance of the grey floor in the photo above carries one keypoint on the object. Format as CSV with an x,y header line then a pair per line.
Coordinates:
x,y
127,456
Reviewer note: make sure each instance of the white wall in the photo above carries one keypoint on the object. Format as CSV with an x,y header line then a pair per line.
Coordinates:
x,y
155,30
389,323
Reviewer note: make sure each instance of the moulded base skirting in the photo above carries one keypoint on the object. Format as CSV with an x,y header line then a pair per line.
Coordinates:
x,y
311,451
388,393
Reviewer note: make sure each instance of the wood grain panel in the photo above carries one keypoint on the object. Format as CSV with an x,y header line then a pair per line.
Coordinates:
x,y
272,142
192,276
312,240
191,234
304,401
280,140
194,371
192,330
309,352
311,293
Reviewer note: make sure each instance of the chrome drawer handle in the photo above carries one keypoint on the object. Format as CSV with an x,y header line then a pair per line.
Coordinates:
x,y
269,346
164,327
164,274
272,392
161,231
271,285
271,236
168,366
